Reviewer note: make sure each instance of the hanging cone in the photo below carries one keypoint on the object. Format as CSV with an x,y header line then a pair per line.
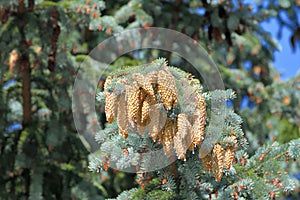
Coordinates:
x,y
218,161
111,103
198,127
230,152
157,120
146,106
152,77
168,134
122,119
207,162
133,103
201,112
182,139
108,81
167,88
144,83
229,157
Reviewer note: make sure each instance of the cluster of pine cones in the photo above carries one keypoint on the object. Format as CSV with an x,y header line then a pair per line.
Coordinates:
x,y
148,102
215,160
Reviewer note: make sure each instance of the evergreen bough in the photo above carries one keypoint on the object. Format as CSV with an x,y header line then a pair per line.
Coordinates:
x,y
225,172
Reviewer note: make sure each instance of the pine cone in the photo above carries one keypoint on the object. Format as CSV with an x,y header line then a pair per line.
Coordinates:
x,y
144,83
157,120
107,83
122,119
229,157
142,96
198,127
183,137
207,162
152,77
167,88
192,147
168,135
111,103
123,133
199,133
230,152
133,103
218,161
158,137
147,103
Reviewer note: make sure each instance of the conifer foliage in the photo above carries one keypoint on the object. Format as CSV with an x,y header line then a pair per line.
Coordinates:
x,y
174,125
159,118
150,101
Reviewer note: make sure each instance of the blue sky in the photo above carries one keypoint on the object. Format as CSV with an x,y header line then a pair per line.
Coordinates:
x,y
286,61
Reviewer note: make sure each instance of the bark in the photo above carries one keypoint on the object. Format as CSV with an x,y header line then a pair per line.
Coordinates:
x,y
25,72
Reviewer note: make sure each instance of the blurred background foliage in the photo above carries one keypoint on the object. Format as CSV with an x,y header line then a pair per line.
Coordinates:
x,y
42,44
